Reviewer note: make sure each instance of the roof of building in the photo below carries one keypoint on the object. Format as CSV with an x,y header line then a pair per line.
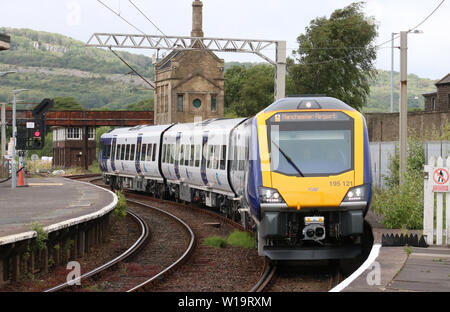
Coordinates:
x,y
429,94
444,80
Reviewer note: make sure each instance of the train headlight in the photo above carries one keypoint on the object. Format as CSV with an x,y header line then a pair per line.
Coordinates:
x,y
358,193
270,196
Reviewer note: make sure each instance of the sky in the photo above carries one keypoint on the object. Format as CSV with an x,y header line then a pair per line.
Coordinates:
x,y
252,19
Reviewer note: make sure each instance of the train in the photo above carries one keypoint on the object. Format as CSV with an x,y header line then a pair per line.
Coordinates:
x,y
297,173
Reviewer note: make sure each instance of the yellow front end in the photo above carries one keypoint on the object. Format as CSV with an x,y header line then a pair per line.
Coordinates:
x,y
312,191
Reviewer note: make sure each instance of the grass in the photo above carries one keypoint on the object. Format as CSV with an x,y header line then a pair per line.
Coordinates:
x,y
216,242
236,239
241,239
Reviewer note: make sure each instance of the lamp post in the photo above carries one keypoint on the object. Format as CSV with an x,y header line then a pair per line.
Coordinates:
x,y
403,127
3,123
14,135
392,72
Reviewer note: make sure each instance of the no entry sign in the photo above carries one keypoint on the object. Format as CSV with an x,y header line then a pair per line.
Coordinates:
x,y
440,180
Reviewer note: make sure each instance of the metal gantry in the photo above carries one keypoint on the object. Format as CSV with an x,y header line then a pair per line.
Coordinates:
x,y
254,46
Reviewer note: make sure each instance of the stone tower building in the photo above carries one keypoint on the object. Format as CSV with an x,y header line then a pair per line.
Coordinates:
x,y
189,84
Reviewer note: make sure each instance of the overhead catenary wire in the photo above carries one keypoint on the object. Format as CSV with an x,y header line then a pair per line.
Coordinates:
x,y
152,85
121,17
140,11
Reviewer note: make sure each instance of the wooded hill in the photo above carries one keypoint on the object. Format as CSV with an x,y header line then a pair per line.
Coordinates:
x,y
52,65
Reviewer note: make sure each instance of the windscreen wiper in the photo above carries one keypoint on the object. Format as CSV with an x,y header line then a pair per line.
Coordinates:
x,y
289,159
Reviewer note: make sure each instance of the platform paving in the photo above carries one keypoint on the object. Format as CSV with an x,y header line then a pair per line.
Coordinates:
x,y
421,270
51,202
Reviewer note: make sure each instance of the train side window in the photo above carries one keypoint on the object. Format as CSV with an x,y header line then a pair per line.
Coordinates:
x,y
127,152
172,153
223,157
210,150
143,152
154,152
148,153
118,152
133,146
241,160
197,156
122,152
235,159
191,161
216,156
163,154
182,155
187,154
113,151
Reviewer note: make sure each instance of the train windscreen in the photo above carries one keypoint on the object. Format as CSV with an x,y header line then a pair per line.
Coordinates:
x,y
317,146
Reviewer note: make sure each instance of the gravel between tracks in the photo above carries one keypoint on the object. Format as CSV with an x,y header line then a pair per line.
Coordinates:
x,y
301,279
166,244
209,269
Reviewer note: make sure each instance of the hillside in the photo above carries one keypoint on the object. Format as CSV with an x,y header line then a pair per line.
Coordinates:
x,y
52,65
380,92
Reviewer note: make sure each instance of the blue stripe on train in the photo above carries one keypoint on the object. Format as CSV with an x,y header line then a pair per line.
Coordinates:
x,y
255,175
367,179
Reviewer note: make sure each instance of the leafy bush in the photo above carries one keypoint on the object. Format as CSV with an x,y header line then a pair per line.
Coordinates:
x,y
401,206
216,242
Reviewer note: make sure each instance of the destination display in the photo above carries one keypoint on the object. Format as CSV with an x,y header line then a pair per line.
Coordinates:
x,y
309,116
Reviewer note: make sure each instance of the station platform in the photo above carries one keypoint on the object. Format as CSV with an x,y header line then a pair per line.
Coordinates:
x,y
54,203
394,269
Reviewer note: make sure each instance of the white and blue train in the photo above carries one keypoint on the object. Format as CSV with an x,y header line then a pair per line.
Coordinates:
x,y
297,173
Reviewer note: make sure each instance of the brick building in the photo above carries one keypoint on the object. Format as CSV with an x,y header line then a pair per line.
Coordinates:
x,y
189,84
69,146
439,100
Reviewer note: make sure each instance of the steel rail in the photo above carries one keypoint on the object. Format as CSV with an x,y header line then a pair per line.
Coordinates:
x,y
179,260
266,277
129,252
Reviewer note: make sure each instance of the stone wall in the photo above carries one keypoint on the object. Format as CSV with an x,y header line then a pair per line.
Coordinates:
x,y
384,127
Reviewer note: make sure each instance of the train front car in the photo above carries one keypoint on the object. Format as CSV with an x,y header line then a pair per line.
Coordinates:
x,y
309,179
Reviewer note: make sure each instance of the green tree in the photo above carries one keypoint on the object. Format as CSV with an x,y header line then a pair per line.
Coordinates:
x,y
248,90
335,57
66,103
142,105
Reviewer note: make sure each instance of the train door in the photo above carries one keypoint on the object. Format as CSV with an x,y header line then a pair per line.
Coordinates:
x,y
204,154
138,154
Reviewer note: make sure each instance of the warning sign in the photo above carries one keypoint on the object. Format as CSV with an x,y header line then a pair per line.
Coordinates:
x,y
440,180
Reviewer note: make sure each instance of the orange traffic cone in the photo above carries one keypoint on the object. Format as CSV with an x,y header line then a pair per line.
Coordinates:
x,y
21,182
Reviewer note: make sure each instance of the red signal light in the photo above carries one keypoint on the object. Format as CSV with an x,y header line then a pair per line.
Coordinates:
x,y
37,134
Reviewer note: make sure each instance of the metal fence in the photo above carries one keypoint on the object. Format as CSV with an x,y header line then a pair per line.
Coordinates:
x,y
381,153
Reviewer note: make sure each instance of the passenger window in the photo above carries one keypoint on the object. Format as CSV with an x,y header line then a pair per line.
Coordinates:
x,y
241,160
118,152
191,162
187,154
164,153
210,156
154,152
132,151
197,156
172,154
113,151
122,154
223,158
144,152
182,155
216,156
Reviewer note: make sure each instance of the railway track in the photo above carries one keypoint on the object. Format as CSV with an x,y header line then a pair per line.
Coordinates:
x,y
274,277
137,248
